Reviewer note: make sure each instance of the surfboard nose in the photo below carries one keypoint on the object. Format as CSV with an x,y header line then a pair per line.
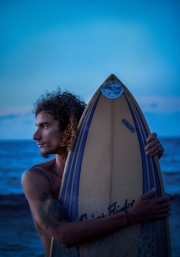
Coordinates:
x,y
112,77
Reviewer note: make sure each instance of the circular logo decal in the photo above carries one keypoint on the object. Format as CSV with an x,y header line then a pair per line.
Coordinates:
x,y
112,89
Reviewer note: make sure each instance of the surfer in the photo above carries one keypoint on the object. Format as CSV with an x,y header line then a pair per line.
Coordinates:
x,y
57,116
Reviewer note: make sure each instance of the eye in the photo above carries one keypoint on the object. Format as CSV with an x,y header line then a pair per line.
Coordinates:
x,y
45,126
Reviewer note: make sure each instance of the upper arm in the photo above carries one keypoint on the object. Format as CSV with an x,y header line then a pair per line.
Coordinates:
x,y
45,209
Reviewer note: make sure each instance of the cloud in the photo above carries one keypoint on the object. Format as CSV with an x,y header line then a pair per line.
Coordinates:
x,y
162,114
155,104
164,124
15,110
8,117
17,126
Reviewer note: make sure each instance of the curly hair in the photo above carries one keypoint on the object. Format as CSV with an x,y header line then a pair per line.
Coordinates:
x,y
66,108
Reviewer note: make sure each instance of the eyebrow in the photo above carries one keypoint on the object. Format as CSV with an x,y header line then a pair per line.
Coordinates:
x,y
42,123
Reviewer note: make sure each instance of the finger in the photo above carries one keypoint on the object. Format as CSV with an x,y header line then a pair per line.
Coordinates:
x,y
165,205
151,137
149,194
164,215
154,142
164,208
157,149
159,152
165,211
162,200
153,150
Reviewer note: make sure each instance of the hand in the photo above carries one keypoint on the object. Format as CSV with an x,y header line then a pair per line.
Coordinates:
x,y
145,209
154,146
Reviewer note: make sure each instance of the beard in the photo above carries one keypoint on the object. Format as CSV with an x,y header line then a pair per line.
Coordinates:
x,y
45,155
47,152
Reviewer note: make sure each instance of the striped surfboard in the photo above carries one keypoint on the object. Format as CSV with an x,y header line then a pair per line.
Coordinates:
x,y
107,170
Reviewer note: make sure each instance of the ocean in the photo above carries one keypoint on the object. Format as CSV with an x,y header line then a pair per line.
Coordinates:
x,y
18,237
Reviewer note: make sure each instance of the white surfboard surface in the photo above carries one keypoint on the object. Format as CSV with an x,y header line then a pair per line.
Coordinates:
x,y
107,170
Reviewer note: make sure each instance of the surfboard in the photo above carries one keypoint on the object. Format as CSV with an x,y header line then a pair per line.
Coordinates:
x,y
107,170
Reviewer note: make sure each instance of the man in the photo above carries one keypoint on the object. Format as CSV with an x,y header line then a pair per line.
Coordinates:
x,y
57,115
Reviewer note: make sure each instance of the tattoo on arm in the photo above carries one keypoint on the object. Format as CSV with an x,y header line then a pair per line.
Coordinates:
x,y
38,170
50,211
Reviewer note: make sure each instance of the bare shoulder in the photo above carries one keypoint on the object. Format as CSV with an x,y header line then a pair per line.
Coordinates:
x,y
37,179
44,165
41,169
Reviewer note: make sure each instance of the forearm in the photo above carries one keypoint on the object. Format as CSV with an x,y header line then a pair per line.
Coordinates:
x,y
75,233
143,210
54,222
50,215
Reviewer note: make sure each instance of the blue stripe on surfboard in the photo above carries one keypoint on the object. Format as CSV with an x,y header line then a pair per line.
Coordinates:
x,y
144,164
150,160
57,249
159,193
69,187
69,197
141,144
74,212
68,175
144,135
148,227
158,185
68,181
152,169
161,222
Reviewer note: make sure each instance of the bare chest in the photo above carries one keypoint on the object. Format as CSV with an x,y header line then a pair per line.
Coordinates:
x,y
56,186
56,180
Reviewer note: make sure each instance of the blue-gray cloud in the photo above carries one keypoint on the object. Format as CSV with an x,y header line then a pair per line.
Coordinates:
x,y
8,117
22,126
17,126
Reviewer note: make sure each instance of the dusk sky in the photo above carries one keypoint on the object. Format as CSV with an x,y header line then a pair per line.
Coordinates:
x,y
77,44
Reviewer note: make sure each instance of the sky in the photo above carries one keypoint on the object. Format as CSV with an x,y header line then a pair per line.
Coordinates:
x,y
77,44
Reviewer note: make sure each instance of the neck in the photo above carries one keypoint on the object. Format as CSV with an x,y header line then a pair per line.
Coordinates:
x,y
60,163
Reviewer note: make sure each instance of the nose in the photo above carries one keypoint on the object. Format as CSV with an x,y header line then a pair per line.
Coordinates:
x,y
37,135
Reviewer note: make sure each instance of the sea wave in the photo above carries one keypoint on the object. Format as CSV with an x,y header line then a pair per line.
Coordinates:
x,y
19,202
13,202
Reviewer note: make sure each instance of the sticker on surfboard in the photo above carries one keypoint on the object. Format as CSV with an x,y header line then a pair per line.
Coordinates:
x,y
112,89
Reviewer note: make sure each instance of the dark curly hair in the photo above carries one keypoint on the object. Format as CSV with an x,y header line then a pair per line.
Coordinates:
x,y
65,107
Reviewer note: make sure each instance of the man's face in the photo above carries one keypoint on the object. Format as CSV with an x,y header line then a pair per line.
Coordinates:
x,y
48,135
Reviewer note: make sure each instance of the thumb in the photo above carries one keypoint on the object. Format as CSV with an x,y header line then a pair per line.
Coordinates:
x,y
149,193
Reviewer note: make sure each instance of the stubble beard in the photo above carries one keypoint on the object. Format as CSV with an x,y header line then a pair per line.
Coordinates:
x,y
47,154
44,154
